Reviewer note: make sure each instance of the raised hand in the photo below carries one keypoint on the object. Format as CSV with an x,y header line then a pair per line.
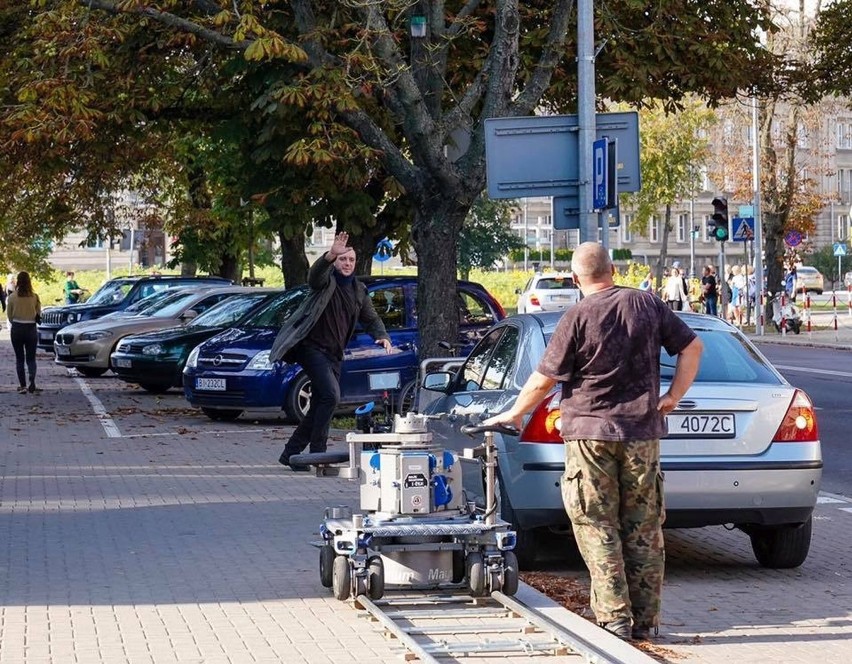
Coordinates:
x,y
340,244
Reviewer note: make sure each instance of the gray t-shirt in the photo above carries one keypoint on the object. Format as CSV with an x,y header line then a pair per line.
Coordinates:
x,y
606,353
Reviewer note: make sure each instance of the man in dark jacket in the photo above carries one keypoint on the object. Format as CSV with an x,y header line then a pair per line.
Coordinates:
x,y
316,335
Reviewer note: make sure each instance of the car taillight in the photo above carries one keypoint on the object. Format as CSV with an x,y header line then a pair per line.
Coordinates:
x,y
545,422
799,424
534,300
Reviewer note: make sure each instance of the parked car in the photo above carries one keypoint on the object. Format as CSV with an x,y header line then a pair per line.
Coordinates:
x,y
87,346
155,360
809,279
231,372
743,446
115,295
549,291
847,280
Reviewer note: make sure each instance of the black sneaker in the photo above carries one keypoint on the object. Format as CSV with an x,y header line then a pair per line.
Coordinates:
x,y
643,632
32,389
22,390
284,460
620,627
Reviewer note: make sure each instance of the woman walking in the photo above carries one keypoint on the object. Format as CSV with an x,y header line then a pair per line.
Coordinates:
x,y
23,310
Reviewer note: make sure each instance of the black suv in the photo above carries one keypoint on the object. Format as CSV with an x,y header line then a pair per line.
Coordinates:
x,y
114,295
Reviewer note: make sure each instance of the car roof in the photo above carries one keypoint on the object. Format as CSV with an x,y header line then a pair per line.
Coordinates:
x,y
409,278
549,319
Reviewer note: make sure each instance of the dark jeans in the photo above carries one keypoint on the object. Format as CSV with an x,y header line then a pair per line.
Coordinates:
x,y
24,341
324,373
710,302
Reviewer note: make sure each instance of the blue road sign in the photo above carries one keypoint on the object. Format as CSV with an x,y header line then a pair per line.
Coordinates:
x,y
793,238
599,174
839,248
537,155
384,250
742,229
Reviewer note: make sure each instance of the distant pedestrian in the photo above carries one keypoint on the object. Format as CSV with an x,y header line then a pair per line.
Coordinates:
x,y
72,289
709,292
605,353
673,291
23,310
647,284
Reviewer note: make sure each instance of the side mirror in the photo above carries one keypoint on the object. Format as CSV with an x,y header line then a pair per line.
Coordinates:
x,y
438,381
189,314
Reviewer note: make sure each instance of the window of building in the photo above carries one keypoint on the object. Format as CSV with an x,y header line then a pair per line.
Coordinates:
x,y
843,227
95,243
654,229
844,135
682,227
802,137
626,233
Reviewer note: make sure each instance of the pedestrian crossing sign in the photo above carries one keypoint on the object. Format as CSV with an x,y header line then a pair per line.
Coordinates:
x,y
839,248
743,229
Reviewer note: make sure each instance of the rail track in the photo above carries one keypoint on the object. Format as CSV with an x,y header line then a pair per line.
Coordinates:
x,y
451,626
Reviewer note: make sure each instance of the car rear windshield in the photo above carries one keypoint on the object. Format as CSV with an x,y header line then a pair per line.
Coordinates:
x,y
229,311
111,292
278,309
727,358
547,283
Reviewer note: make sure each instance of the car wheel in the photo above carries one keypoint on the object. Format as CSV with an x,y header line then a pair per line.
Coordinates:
x,y
526,544
155,388
781,547
222,415
405,403
298,398
91,372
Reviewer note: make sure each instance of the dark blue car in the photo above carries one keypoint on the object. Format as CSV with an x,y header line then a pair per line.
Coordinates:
x,y
231,372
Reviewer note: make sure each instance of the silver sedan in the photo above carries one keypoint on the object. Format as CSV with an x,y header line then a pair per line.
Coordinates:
x,y
743,446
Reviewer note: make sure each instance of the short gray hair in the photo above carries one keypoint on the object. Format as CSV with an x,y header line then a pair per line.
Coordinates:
x,y
591,260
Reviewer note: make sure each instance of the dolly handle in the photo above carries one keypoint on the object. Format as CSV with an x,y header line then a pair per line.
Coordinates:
x,y
473,429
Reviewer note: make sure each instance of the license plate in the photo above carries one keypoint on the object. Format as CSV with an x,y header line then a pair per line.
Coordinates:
x,y
62,350
711,425
215,384
121,362
45,336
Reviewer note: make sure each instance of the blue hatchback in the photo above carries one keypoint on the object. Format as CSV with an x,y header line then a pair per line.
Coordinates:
x,y
231,372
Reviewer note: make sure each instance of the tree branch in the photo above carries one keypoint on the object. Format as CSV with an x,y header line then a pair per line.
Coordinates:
x,y
554,51
172,21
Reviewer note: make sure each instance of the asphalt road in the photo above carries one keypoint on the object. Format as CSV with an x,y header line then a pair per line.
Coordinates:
x,y
826,375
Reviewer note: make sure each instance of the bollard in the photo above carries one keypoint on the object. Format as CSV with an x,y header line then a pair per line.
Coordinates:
x,y
808,313
834,309
783,324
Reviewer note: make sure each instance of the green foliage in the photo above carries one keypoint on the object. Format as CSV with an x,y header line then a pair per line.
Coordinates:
x,y
825,261
541,255
486,236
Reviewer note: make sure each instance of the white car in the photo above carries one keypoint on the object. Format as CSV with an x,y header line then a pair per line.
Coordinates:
x,y
549,291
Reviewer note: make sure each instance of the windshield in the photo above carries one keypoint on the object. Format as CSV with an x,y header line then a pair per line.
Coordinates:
x,y
171,306
278,309
228,312
141,305
111,292
727,358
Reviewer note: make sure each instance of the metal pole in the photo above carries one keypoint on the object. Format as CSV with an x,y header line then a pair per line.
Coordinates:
x,y
586,116
758,222
526,236
692,237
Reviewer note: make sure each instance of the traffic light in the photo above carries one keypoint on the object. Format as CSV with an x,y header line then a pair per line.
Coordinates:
x,y
718,223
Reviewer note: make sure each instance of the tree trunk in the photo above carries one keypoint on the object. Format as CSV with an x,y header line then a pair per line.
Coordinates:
x,y
364,246
294,263
188,268
434,232
229,267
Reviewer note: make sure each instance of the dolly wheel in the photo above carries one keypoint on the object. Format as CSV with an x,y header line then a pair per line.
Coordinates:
x,y
327,556
341,582
475,574
375,577
510,573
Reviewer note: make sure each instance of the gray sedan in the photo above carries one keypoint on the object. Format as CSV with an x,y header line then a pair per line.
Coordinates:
x,y
743,445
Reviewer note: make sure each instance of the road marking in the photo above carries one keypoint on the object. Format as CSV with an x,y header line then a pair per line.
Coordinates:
x,y
823,372
107,422
846,509
829,500
178,434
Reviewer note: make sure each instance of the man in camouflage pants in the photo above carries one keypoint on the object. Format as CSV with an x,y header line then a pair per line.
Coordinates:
x,y
605,354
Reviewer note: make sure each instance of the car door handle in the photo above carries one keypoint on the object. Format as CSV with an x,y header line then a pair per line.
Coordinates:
x,y
406,346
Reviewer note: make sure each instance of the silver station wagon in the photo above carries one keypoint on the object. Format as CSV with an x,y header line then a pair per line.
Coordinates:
x,y
743,445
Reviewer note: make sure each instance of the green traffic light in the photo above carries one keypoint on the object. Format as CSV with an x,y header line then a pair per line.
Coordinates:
x,y
721,234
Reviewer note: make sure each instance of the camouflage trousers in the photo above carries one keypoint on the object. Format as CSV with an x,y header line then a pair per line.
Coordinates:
x,y
613,493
